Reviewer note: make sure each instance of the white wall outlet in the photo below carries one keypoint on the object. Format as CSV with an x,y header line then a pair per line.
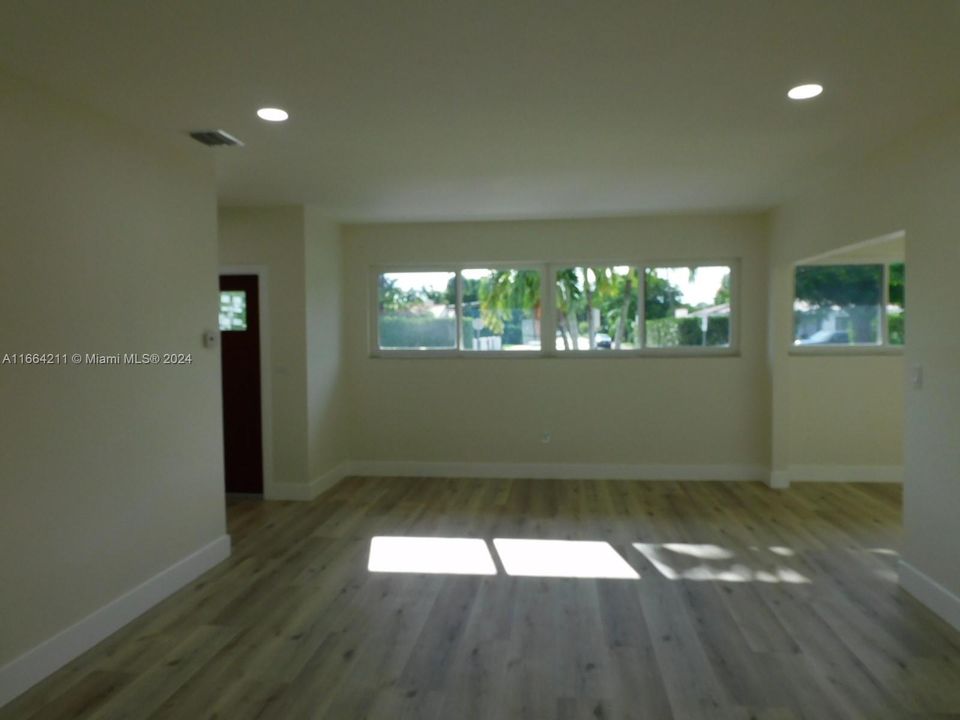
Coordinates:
x,y
916,376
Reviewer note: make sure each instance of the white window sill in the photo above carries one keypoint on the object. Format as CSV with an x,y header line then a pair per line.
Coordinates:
x,y
845,350
688,352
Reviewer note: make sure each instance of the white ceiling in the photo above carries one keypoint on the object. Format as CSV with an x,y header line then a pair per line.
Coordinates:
x,y
404,109
889,249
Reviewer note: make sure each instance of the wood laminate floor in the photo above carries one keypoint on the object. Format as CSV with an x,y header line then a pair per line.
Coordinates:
x,y
750,603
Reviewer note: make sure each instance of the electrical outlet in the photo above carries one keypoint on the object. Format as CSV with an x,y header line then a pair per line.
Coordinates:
x,y
546,437
916,376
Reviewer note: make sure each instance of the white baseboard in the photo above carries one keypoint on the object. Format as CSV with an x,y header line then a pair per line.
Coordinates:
x,y
331,478
20,674
846,473
779,479
289,491
309,490
935,596
557,471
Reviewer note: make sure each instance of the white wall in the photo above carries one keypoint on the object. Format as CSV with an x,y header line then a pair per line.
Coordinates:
x,y
273,238
108,475
912,186
703,416
326,385
301,251
836,417
845,417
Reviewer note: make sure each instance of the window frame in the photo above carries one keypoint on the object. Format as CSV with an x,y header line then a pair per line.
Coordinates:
x,y
548,320
733,348
882,348
539,268
457,268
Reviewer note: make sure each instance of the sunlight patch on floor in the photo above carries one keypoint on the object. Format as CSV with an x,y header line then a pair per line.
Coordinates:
x,y
683,561
781,551
590,559
431,555
562,559
889,575
704,552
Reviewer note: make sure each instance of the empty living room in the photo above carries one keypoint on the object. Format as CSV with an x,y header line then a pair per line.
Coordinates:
x,y
480,359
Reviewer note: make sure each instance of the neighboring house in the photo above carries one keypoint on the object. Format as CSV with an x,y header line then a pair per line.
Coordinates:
x,y
722,310
827,322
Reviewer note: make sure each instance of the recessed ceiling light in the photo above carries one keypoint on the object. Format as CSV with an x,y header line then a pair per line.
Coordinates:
x,y
272,114
805,92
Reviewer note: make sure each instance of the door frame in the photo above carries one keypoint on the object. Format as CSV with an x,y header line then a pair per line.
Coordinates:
x,y
266,371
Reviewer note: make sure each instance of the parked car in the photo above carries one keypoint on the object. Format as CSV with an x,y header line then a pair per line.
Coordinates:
x,y
602,341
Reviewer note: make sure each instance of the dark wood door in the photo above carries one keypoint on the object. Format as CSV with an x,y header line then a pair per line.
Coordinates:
x,y
240,362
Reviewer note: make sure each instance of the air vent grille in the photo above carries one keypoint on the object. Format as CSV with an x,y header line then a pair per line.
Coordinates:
x,y
215,138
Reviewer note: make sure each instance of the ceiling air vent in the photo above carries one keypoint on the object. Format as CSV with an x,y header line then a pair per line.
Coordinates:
x,y
215,138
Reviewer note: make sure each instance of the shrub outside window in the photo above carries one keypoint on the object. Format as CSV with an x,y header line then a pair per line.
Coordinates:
x,y
417,311
896,304
687,306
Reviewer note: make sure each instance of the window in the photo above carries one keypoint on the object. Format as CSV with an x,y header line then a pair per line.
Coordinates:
x,y
500,309
497,309
849,305
417,310
588,309
233,310
687,306
596,308
896,303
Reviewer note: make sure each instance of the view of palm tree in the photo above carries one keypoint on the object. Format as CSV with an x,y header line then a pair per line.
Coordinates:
x,y
597,308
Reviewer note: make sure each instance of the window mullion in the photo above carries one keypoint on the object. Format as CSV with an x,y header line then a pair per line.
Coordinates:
x,y
884,301
734,321
642,307
548,311
458,310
